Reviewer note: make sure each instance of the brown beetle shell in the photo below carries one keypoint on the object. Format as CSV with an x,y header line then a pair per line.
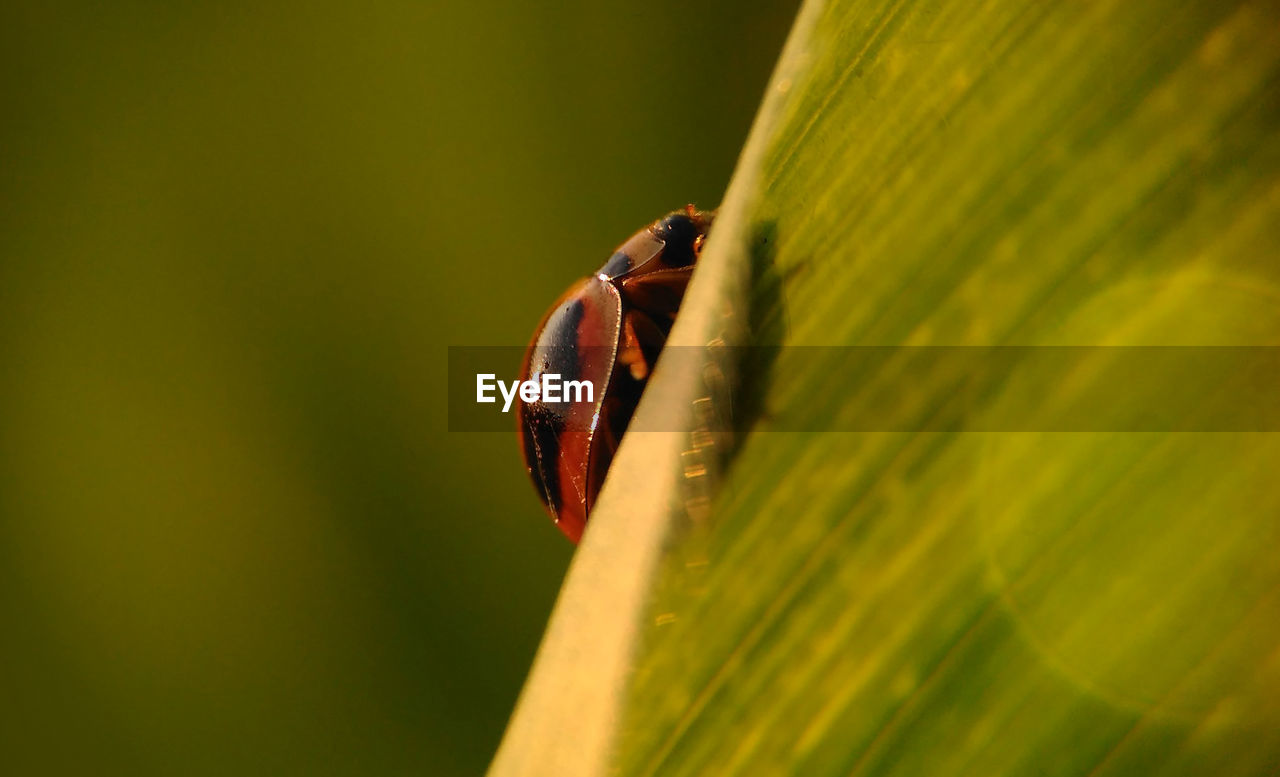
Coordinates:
x,y
609,330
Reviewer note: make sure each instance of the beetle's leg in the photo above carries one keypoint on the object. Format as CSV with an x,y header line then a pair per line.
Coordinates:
x,y
632,353
648,334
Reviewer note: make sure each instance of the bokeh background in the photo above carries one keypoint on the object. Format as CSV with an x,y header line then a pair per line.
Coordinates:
x,y
236,536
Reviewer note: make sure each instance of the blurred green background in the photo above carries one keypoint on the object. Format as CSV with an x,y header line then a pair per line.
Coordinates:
x,y
236,241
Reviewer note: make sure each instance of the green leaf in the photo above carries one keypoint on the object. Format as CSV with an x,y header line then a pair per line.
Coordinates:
x,y
1010,581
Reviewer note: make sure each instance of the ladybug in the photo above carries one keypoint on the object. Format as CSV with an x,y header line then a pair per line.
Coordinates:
x,y
607,329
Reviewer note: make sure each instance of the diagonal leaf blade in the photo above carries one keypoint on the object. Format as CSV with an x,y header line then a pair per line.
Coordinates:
x,y
925,596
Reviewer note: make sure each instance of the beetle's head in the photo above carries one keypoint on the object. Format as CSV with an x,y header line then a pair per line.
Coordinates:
x,y
682,232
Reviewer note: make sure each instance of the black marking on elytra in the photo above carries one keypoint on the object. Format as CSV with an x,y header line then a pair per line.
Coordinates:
x,y
562,358
618,264
543,427
542,436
